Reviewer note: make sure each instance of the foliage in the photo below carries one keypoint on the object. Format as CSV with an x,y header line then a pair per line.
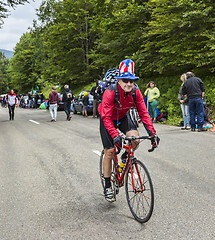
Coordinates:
x,y
4,5
77,41
4,78
22,76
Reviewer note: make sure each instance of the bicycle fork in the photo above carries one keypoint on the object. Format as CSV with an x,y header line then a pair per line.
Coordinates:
x,y
141,189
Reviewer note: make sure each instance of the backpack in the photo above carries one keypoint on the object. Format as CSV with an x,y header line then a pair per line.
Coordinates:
x,y
116,90
69,96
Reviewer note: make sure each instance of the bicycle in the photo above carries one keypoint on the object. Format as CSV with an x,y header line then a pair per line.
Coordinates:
x,y
134,116
206,109
135,176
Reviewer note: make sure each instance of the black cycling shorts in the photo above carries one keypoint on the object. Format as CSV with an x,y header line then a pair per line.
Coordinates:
x,y
125,125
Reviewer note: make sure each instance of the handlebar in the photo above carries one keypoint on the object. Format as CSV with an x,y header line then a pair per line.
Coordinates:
x,y
135,138
141,137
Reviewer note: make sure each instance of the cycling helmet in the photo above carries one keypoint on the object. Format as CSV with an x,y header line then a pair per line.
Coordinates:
x,y
110,75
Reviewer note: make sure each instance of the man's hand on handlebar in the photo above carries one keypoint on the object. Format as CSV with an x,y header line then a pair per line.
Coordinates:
x,y
117,141
155,142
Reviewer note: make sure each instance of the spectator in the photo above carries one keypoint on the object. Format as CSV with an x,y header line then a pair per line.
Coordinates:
x,y
195,90
36,98
12,102
53,104
93,92
153,94
42,97
85,103
184,102
99,94
22,103
68,96
29,99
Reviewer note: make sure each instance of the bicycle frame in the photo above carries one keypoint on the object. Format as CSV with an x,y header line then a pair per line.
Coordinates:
x,y
120,176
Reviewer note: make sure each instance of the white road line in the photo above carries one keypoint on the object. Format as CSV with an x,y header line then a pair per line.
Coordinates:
x,y
34,121
97,152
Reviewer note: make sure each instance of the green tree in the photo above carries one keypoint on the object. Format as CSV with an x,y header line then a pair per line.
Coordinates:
x,y
68,39
21,68
4,77
5,5
120,26
179,37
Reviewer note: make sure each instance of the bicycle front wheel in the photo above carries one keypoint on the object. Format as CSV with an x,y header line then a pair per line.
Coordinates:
x,y
140,198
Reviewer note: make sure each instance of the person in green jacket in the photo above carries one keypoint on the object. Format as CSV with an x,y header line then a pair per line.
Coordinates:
x,y
153,94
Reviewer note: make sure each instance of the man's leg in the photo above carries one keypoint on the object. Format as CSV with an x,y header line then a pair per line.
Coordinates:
x,y
9,108
69,109
200,112
66,109
107,162
134,133
55,112
192,110
51,111
12,108
107,169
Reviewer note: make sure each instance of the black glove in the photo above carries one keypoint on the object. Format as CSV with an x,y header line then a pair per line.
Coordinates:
x,y
155,141
117,141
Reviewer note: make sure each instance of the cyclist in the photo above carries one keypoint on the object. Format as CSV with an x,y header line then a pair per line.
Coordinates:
x,y
115,115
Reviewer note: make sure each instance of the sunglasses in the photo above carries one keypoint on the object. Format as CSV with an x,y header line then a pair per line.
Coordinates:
x,y
128,80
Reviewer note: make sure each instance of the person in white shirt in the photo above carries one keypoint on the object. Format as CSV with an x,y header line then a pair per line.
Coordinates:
x,y
11,102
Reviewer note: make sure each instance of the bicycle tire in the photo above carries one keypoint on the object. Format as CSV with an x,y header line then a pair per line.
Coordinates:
x,y
113,176
207,111
101,170
141,204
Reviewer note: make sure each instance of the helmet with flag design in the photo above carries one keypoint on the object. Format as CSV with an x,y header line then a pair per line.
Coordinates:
x,y
110,75
126,70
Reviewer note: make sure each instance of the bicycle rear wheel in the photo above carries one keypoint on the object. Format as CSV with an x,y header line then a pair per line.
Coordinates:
x,y
113,176
140,201
101,170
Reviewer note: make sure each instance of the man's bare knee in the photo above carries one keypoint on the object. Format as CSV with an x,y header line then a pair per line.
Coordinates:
x,y
134,133
108,153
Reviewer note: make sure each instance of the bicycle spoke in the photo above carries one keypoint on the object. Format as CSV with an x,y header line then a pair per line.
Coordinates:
x,y
140,195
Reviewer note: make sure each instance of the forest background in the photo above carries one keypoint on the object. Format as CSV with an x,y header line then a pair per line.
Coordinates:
x,y
76,41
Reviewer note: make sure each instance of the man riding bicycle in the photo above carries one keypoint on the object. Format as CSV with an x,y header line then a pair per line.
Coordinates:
x,y
114,114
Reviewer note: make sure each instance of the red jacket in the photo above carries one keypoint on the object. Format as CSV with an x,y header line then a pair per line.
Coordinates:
x,y
108,109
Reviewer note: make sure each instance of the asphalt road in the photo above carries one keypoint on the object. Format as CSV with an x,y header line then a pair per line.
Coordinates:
x,y
50,186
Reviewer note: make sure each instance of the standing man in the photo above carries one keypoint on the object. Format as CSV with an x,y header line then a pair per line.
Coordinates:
x,y
29,100
36,98
67,98
12,102
53,104
195,90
